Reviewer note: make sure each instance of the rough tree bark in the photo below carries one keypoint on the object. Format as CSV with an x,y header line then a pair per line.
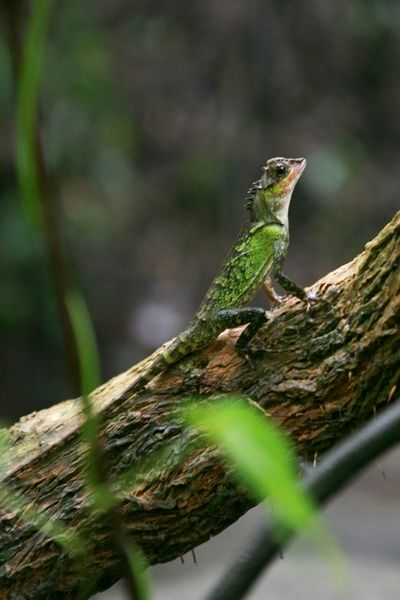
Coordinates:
x,y
322,374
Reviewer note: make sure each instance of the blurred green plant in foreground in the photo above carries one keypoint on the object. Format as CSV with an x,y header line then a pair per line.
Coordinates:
x,y
261,458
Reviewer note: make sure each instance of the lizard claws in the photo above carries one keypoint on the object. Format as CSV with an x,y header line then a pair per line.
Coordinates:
x,y
277,300
311,299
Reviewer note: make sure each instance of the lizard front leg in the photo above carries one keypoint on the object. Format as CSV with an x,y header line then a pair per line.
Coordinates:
x,y
271,294
287,284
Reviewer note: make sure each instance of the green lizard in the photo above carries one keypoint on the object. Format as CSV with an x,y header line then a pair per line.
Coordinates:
x,y
259,251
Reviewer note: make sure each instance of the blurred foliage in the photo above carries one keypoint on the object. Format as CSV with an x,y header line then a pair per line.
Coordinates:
x,y
260,455
155,119
261,458
27,94
13,501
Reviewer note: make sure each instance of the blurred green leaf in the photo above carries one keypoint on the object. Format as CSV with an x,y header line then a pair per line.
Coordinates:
x,y
260,453
85,340
5,444
96,473
66,537
263,460
139,568
42,520
90,379
27,107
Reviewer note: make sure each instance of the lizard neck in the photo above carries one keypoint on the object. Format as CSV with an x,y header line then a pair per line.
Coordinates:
x,y
270,209
280,210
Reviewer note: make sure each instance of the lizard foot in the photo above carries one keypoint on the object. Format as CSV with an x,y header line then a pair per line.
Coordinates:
x,y
313,303
312,299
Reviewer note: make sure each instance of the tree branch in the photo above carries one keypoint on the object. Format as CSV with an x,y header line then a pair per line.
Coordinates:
x,y
321,374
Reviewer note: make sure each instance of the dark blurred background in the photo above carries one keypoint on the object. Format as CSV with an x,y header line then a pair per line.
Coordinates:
x,y
155,119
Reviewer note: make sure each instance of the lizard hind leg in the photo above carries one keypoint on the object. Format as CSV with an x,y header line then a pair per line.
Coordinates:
x,y
233,317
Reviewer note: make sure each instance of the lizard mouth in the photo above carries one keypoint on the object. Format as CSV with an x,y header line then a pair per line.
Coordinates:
x,y
298,165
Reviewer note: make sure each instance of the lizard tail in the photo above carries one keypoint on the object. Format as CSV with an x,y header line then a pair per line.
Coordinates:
x,y
159,365
175,351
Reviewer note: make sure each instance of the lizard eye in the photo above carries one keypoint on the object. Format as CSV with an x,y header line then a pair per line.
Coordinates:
x,y
280,170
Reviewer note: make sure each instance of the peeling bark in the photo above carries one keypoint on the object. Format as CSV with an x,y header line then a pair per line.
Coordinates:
x,y
319,374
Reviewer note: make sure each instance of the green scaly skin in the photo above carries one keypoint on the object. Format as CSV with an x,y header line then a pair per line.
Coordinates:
x,y
259,251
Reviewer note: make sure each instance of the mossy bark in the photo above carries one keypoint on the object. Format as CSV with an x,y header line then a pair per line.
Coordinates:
x,y
319,373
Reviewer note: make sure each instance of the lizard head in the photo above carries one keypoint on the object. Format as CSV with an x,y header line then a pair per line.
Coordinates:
x,y
270,196
280,175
